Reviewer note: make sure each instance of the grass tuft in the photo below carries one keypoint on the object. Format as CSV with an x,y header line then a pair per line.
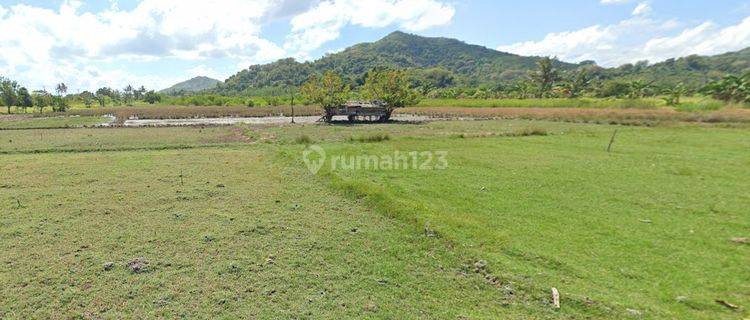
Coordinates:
x,y
378,137
700,106
533,131
304,139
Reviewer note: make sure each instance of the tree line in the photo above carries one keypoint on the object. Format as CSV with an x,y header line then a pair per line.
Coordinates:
x,y
549,82
14,95
404,86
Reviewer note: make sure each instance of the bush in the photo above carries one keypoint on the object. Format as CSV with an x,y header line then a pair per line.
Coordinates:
x,y
613,89
304,139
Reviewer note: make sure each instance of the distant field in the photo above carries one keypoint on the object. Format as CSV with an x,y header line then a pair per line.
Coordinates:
x,y
688,112
650,103
233,225
18,122
688,104
182,112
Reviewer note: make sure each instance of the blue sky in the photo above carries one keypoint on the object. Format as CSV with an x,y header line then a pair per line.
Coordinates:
x,y
89,44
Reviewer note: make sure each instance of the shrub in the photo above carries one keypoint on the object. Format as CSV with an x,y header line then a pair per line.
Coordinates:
x,y
304,139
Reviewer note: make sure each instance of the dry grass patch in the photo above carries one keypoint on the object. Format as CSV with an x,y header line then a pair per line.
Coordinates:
x,y
179,112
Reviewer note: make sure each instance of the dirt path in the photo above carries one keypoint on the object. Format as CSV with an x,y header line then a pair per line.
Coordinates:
x,y
255,120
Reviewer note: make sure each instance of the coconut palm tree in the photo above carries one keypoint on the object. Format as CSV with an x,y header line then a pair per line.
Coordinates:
x,y
545,77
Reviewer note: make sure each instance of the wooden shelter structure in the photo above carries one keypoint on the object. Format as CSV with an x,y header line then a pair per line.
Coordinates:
x,y
360,110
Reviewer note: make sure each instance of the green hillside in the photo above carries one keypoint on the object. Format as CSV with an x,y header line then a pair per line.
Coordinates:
x,y
692,70
467,65
470,64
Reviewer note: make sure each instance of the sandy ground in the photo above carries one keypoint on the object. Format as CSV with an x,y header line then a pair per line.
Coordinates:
x,y
258,120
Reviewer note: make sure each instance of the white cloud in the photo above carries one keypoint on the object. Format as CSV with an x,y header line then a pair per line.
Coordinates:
x,y
203,70
61,44
643,8
705,39
42,46
323,23
635,39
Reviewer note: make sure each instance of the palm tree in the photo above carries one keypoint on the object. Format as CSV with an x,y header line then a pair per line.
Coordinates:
x,y
61,90
128,94
545,77
579,83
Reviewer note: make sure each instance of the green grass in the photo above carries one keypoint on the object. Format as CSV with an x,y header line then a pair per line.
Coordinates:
x,y
236,237
646,227
698,105
114,139
51,122
234,226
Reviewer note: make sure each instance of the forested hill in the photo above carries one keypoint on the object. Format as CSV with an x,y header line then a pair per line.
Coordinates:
x,y
470,64
692,70
193,85
463,64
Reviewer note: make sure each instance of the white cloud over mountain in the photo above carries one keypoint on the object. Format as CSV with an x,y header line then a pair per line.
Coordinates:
x,y
324,22
59,45
44,46
637,38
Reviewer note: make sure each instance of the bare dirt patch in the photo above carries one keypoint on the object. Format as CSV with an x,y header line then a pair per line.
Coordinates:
x,y
273,120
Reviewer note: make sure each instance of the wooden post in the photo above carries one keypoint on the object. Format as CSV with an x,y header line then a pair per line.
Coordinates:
x,y
292,93
611,141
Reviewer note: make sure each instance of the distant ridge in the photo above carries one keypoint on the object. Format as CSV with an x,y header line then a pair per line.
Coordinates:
x,y
472,65
193,85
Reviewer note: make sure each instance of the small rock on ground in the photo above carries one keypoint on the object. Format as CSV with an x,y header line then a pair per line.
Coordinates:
x,y
138,265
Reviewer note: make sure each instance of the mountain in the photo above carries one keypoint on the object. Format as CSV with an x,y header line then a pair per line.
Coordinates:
x,y
192,85
470,64
462,64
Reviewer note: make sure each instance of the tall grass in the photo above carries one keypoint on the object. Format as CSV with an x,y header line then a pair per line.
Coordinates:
x,y
377,137
698,105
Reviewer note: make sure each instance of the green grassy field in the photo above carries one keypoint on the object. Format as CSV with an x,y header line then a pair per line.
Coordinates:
x,y
646,227
52,122
233,225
